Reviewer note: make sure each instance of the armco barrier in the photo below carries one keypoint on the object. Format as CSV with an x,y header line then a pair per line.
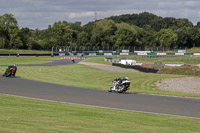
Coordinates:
x,y
170,53
92,54
137,67
132,53
115,53
110,54
151,53
138,54
196,54
100,53
188,54
161,53
179,53
126,54
86,53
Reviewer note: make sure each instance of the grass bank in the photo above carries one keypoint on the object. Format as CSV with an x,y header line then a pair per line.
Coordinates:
x,y
164,60
193,50
98,60
9,60
35,116
169,60
179,71
174,71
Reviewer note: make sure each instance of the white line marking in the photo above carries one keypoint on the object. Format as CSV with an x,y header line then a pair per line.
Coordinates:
x,y
170,96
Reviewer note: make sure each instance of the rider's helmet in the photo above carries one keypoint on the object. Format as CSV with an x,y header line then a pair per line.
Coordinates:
x,y
126,77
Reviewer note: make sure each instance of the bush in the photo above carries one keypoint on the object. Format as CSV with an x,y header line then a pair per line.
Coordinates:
x,y
34,45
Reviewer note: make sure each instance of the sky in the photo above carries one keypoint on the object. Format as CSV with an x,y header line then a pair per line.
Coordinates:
x,y
41,13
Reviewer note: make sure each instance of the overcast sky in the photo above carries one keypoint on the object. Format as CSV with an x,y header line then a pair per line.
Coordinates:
x,y
41,13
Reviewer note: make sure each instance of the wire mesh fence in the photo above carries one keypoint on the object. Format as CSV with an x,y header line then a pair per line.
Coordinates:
x,y
93,49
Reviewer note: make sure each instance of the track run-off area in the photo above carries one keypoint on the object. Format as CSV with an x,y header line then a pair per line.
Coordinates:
x,y
159,104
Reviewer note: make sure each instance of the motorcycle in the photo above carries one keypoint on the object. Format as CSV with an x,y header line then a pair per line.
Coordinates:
x,y
10,71
120,85
73,60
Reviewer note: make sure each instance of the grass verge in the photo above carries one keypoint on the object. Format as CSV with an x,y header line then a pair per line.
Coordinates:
x,y
36,116
13,51
193,50
98,60
179,71
9,60
165,60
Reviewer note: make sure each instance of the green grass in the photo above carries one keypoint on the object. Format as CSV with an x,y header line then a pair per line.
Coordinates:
x,y
98,60
13,51
179,71
193,50
22,115
88,77
9,60
166,60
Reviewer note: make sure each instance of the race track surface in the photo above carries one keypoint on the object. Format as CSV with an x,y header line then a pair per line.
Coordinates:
x,y
189,107
52,63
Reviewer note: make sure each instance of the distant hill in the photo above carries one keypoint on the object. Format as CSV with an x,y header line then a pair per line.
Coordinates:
x,y
156,22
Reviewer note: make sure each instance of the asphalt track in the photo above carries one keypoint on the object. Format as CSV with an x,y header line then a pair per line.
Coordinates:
x,y
189,107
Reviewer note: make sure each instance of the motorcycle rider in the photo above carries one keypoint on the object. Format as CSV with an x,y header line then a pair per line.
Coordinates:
x,y
116,82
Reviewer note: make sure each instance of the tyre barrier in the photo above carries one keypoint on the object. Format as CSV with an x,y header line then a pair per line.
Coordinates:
x,y
137,67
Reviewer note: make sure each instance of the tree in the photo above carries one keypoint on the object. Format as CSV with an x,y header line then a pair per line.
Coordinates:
x,y
83,39
46,38
155,22
198,25
2,38
103,33
34,44
61,34
125,35
148,37
195,36
15,41
9,30
25,36
167,38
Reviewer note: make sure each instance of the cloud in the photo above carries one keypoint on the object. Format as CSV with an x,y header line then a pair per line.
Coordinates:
x,y
81,14
178,4
41,13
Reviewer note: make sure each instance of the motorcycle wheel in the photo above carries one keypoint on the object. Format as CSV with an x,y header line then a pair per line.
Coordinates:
x,y
110,90
121,88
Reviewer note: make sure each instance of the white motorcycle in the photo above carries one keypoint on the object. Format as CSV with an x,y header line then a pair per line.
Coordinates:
x,y
120,85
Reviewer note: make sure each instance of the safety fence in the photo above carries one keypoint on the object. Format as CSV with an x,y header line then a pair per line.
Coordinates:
x,y
141,53
73,58
107,54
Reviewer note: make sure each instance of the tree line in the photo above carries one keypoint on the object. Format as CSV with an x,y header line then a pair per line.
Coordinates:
x,y
130,30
